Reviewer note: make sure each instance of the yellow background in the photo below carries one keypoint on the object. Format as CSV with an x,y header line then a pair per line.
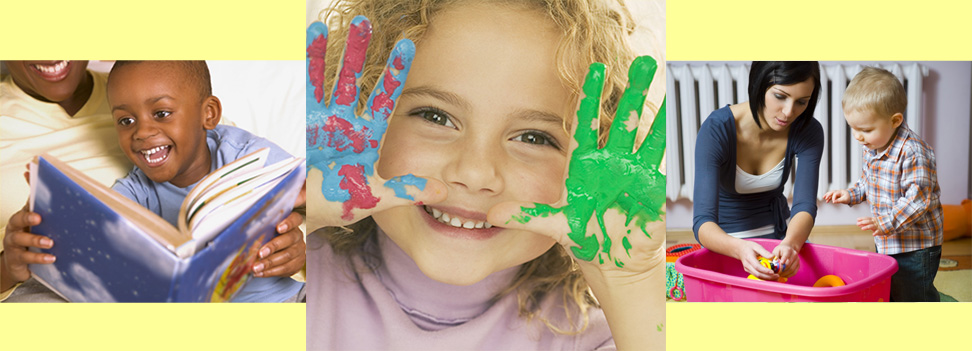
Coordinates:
x,y
696,30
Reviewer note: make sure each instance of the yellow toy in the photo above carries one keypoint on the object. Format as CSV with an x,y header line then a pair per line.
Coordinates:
x,y
774,265
829,280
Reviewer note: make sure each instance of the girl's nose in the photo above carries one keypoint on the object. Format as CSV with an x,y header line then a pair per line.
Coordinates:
x,y
475,169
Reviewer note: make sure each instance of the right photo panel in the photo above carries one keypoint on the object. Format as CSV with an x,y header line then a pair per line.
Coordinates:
x,y
830,181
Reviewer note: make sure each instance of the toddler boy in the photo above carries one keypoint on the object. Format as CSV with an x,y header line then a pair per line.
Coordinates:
x,y
899,182
168,125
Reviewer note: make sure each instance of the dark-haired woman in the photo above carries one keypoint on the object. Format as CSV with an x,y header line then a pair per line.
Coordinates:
x,y
743,156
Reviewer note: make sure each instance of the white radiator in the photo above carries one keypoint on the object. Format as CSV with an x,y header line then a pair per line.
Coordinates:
x,y
695,90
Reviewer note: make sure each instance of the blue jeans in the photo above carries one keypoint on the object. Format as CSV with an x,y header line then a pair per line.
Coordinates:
x,y
915,279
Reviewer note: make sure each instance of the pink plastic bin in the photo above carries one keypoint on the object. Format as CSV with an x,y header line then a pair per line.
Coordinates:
x,y
713,277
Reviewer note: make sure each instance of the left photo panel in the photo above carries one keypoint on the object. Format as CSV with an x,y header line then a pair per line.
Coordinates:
x,y
152,181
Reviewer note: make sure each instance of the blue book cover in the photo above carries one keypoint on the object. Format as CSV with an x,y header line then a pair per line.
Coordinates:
x,y
110,249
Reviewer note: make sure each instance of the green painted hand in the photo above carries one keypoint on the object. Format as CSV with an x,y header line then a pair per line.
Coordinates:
x,y
621,189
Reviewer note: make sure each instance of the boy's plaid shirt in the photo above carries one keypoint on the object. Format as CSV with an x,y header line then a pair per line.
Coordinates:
x,y
901,185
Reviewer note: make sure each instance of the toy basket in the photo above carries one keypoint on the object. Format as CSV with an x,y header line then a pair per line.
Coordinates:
x,y
713,277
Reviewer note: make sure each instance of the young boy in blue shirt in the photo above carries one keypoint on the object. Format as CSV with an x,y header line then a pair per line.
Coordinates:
x,y
899,181
168,125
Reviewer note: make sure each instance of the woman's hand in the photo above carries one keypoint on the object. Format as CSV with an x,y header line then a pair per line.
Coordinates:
x,y
789,256
16,242
749,252
342,146
612,217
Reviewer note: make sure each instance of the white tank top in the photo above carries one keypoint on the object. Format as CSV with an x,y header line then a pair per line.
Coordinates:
x,y
748,184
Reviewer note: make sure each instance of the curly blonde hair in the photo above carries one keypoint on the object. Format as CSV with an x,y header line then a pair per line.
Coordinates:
x,y
593,31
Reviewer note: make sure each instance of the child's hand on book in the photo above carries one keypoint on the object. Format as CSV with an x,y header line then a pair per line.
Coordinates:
x,y
612,217
16,242
342,146
285,254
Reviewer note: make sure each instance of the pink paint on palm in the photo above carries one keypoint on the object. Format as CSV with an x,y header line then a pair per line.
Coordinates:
x,y
383,100
316,70
347,91
341,135
356,184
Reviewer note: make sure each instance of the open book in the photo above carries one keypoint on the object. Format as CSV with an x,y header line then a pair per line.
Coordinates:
x,y
110,248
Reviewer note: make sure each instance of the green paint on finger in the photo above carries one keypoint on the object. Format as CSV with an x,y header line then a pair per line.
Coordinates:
x,y
636,187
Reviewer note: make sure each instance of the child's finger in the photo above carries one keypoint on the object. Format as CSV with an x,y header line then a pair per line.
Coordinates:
x,y
287,260
653,148
389,87
292,221
345,96
413,189
316,49
588,110
363,199
623,128
523,216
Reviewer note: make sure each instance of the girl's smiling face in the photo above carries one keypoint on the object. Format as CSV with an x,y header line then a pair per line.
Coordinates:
x,y
483,110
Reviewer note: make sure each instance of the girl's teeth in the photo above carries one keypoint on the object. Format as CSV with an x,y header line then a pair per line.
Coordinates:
x,y
455,221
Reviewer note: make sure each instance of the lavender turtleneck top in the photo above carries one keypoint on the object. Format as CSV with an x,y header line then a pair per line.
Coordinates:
x,y
397,307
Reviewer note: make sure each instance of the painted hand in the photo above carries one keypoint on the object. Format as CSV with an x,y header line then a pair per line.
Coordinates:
x,y
613,214
342,146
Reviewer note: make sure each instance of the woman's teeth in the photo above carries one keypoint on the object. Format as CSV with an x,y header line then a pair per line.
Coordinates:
x,y
51,69
455,221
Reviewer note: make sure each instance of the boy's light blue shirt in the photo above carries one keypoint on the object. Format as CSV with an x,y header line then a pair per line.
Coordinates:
x,y
226,144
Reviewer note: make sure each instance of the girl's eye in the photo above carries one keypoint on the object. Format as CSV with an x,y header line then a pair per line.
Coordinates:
x,y
162,114
802,102
537,138
435,116
780,96
126,121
